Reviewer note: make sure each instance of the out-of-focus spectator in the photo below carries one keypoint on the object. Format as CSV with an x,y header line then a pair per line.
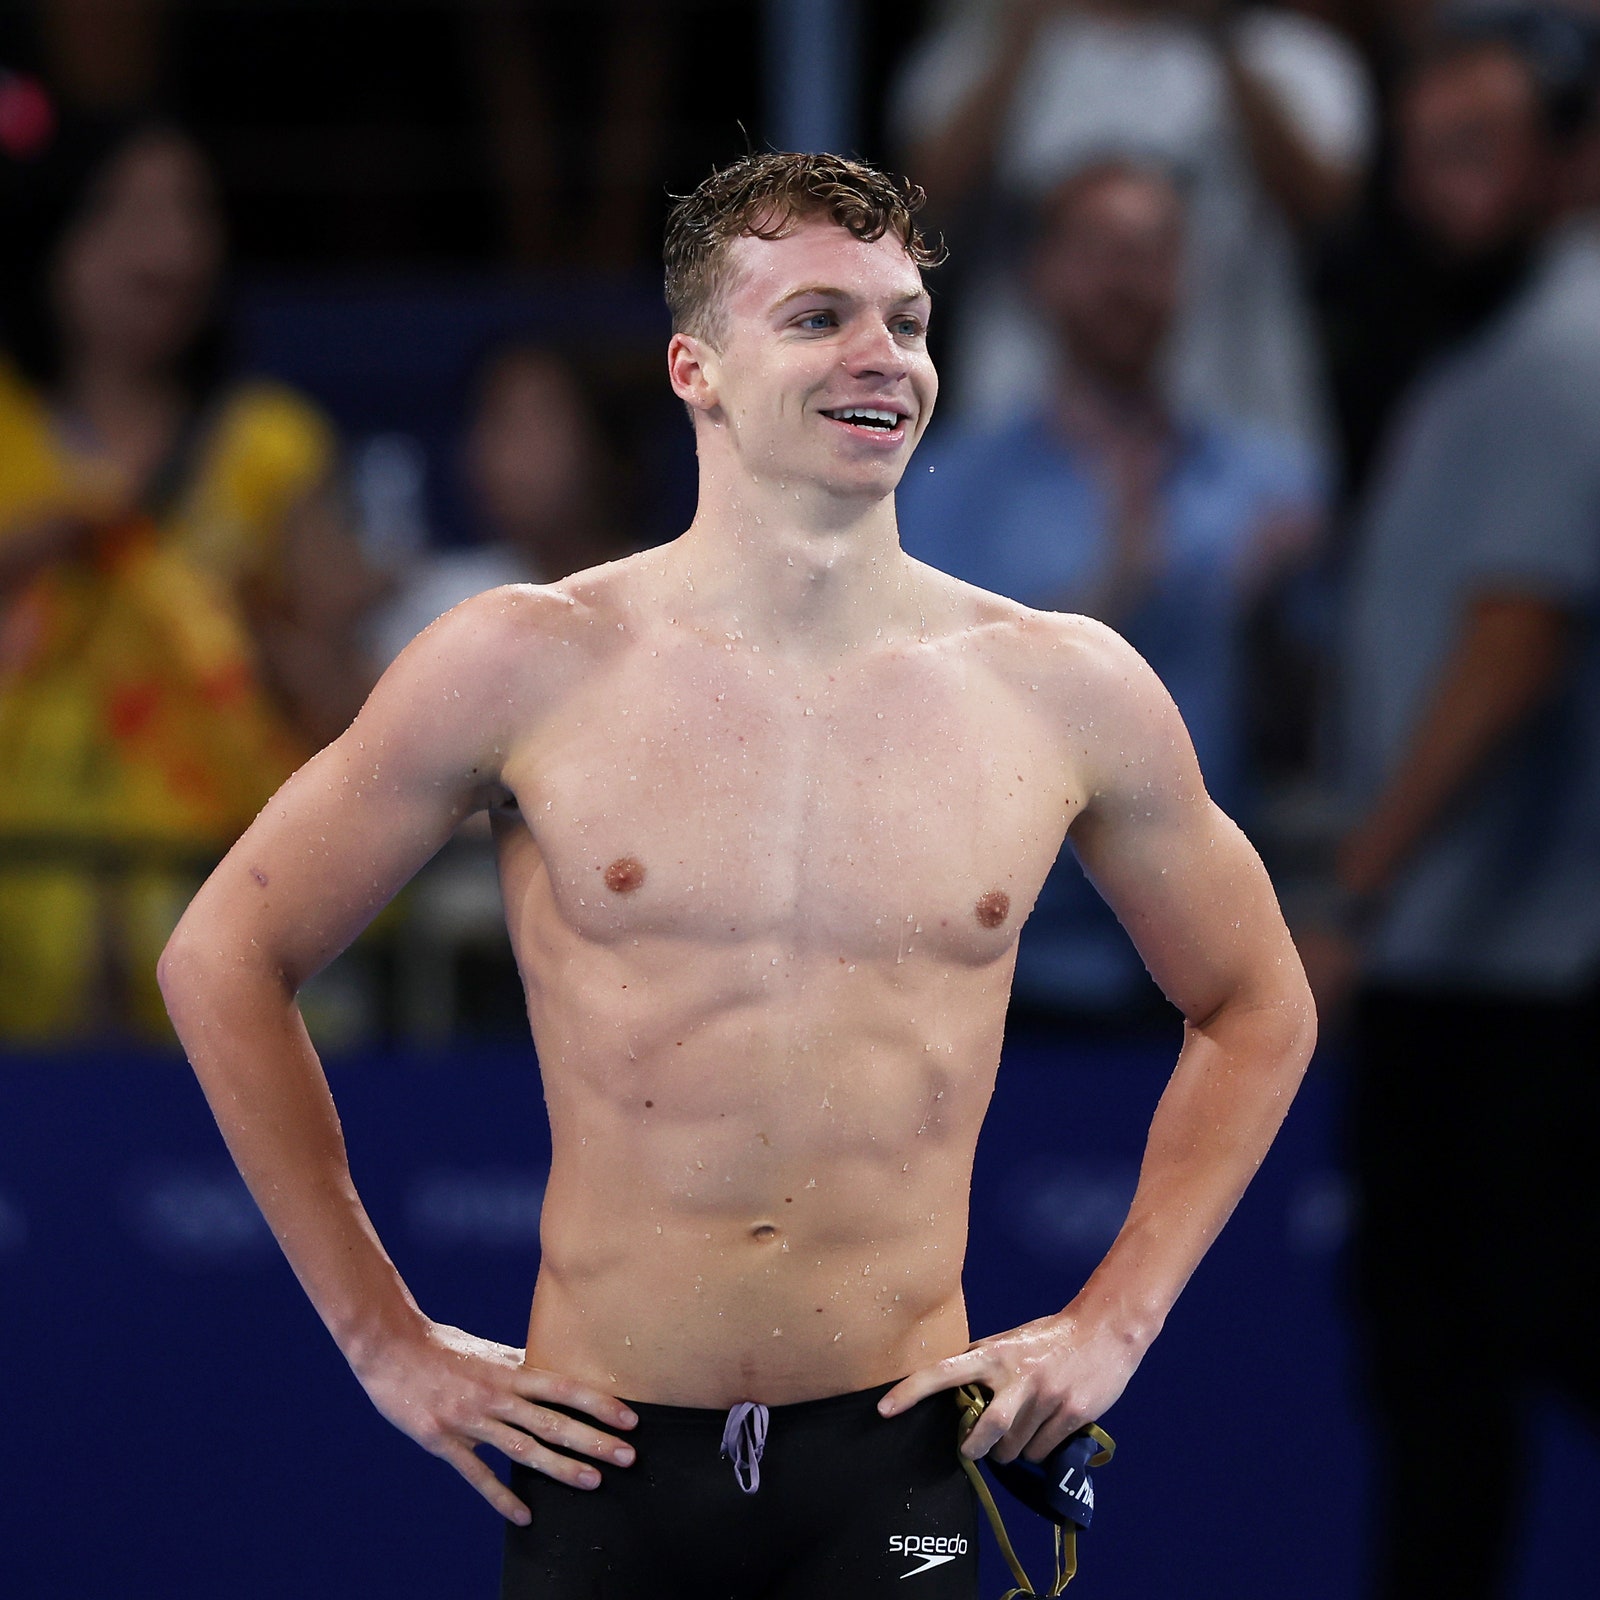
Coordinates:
x,y
1266,113
176,590
1104,499
1447,239
540,133
537,473
1473,725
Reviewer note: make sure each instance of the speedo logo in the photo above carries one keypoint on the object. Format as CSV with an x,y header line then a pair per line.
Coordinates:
x,y
934,1550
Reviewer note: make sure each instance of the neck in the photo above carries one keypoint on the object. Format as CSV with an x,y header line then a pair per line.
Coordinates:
x,y
104,389
796,568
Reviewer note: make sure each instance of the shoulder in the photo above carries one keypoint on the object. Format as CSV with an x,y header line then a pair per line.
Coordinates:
x,y
1551,336
502,632
527,641
30,462
1531,384
1118,725
1073,664
19,402
459,699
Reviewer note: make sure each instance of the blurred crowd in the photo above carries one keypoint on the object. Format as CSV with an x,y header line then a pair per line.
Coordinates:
x,y
1271,336
1277,346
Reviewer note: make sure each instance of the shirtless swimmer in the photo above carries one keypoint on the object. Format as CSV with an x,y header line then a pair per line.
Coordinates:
x,y
772,803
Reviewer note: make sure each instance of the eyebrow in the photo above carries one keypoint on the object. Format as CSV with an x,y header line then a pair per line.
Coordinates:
x,y
827,291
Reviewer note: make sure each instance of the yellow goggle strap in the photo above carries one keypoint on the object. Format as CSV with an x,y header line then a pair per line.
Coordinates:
x,y
973,1401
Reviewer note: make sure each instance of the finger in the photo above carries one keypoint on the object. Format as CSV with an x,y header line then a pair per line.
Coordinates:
x,y
1024,1425
535,1384
950,1373
526,1451
992,1426
1055,1432
556,1428
482,1478
1041,1425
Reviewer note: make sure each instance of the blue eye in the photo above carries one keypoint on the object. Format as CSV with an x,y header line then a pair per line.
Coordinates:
x,y
817,319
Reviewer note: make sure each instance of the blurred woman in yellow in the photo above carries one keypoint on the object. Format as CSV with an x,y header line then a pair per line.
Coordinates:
x,y
178,591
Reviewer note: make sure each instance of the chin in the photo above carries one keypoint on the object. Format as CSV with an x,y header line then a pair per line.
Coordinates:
x,y
864,477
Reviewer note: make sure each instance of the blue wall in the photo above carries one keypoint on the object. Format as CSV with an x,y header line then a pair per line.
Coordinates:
x,y
178,1424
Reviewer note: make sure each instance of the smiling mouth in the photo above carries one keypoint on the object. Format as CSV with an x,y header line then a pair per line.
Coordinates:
x,y
874,418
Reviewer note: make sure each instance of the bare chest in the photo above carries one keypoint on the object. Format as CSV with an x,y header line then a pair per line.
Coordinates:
x,y
907,801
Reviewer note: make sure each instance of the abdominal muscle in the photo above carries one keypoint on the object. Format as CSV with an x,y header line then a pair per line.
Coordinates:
x,y
752,1213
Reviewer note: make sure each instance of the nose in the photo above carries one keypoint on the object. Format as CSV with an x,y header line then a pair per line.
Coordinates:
x,y
874,352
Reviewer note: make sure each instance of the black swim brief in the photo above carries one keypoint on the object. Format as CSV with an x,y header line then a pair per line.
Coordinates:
x,y
824,1500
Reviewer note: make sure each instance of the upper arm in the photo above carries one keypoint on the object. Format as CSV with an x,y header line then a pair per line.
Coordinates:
x,y
1320,82
347,831
1180,875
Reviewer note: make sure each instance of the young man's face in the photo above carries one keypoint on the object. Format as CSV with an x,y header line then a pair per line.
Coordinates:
x,y
822,375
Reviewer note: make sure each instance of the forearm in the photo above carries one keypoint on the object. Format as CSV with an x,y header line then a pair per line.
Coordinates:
x,y
1310,190
952,160
256,1064
1508,660
1235,1077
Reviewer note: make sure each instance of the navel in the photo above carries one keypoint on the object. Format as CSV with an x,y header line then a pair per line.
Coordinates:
x,y
763,1231
624,875
992,908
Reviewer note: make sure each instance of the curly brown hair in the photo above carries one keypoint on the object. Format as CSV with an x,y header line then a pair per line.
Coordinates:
x,y
765,194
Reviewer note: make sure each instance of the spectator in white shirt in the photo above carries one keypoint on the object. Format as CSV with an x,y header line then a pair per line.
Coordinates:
x,y
1266,113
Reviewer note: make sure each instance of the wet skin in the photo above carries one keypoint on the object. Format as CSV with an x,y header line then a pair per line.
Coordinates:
x,y
772,804
767,914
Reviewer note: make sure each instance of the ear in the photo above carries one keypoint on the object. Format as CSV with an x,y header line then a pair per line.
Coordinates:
x,y
692,367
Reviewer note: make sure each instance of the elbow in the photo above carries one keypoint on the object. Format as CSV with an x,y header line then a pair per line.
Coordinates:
x,y
1276,1023
1295,1008
178,971
1304,1011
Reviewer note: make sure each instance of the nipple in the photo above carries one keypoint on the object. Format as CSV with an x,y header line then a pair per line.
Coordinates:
x,y
625,874
993,908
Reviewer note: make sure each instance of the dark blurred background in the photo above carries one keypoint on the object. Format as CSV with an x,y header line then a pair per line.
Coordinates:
x,y
1270,335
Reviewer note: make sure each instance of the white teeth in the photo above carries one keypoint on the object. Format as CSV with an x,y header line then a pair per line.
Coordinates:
x,y
890,419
